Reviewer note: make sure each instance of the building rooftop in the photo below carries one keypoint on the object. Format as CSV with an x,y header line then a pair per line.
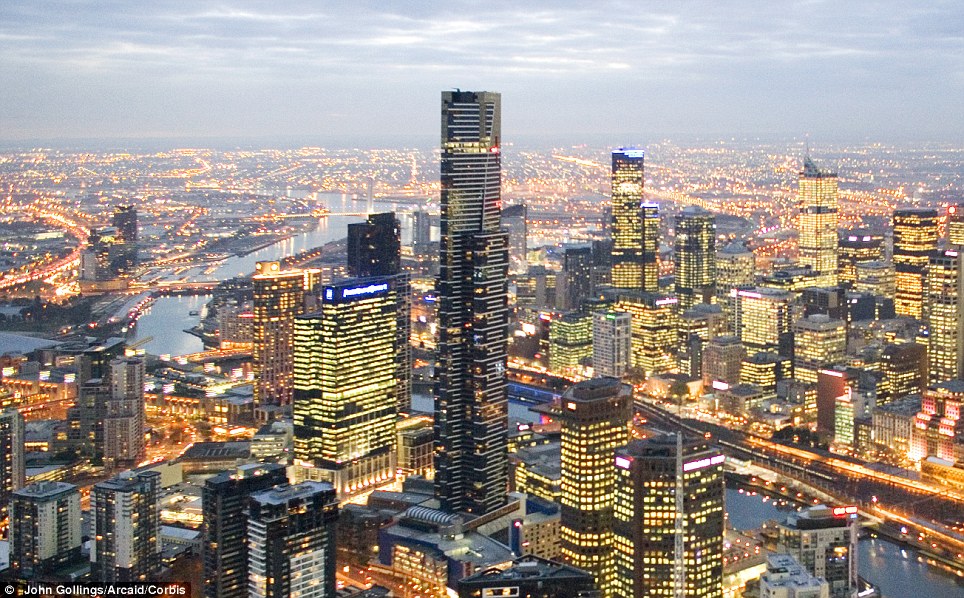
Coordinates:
x,y
19,344
280,495
45,490
529,567
201,451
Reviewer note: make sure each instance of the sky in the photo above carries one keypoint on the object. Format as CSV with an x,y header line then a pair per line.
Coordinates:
x,y
370,73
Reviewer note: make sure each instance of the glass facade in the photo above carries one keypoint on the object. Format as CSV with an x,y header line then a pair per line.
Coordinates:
x,y
915,238
817,197
944,291
635,225
695,257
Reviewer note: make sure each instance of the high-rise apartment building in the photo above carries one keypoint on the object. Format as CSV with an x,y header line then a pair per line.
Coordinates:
x,y
514,222
612,343
595,418
44,528
763,320
12,476
817,198
375,249
819,342
127,540
279,296
224,501
855,248
291,539
695,257
124,414
344,386
125,221
944,315
819,539
915,238
635,225
471,401
669,519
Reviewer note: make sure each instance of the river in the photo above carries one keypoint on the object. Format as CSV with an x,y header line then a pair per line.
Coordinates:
x,y
898,572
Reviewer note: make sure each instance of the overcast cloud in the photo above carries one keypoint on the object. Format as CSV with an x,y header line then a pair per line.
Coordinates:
x,y
369,72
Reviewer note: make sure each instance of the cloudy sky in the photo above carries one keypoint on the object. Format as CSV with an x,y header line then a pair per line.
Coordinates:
x,y
370,73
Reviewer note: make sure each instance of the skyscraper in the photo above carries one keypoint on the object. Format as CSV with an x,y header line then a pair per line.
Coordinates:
x,y
695,257
344,380
514,222
471,401
125,221
374,247
291,532
904,370
574,283
124,414
858,247
955,226
44,528
595,418
819,342
570,342
655,330
763,320
817,197
225,504
11,458
915,237
127,540
635,225
279,296
944,314
668,519
612,343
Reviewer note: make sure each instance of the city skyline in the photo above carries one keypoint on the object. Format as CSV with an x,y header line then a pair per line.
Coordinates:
x,y
260,72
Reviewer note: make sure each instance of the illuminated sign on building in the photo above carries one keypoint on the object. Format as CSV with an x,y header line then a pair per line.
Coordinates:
x,y
707,462
623,462
844,511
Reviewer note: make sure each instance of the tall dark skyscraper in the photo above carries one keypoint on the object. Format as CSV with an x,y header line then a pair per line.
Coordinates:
x,y
471,401
375,249
125,221
574,283
660,499
915,237
375,246
225,548
635,226
11,458
695,256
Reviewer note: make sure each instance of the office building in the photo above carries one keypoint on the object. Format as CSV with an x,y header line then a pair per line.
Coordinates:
x,y
856,248
124,415
529,577
697,326
817,197
819,342
570,343
876,278
764,369
786,578
669,519
915,238
471,401
375,249
594,418
421,233
291,532
694,257
634,225
938,429
893,424
904,370
279,296
602,263
514,222
124,221
763,320
955,226
833,383
722,360
612,343
735,267
655,327
944,314
344,386
127,543
224,501
11,458
45,530
574,283
819,539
